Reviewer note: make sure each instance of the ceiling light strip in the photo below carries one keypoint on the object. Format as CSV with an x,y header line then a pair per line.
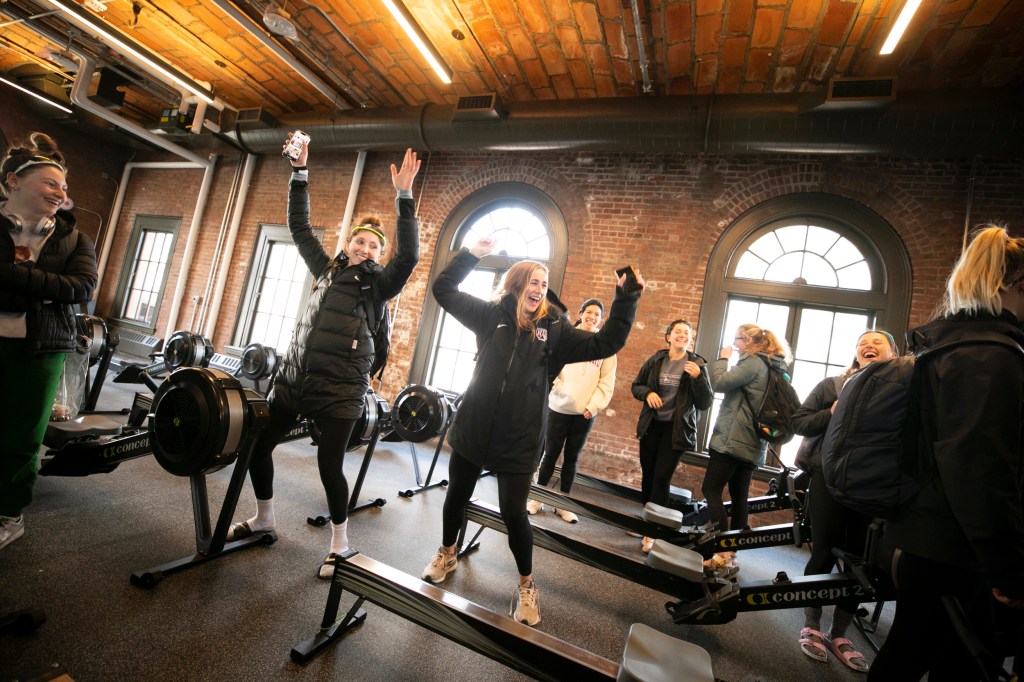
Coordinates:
x,y
36,95
900,26
97,30
419,38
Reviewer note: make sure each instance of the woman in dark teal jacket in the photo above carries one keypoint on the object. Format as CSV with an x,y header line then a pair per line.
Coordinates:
x,y
501,422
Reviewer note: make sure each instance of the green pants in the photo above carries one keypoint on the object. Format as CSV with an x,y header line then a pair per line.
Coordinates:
x,y
28,384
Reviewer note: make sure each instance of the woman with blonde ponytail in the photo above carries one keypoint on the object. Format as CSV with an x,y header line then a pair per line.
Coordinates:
x,y
962,534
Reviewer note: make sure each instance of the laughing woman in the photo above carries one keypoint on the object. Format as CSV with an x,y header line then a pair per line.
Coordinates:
x,y
46,266
523,342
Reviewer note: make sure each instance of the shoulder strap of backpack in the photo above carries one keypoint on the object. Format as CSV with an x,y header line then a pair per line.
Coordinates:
x,y
373,318
746,394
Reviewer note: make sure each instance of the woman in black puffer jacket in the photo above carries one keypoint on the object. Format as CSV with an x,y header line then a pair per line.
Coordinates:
x,y
46,266
325,372
501,423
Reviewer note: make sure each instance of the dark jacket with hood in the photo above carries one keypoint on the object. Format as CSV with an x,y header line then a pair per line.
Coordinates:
x,y
325,371
970,458
812,419
693,395
501,422
46,292
743,385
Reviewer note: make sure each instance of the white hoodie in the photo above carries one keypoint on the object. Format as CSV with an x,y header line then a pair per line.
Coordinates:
x,y
583,386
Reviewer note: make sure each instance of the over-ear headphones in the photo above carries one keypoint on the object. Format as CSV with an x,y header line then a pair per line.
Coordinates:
x,y
42,228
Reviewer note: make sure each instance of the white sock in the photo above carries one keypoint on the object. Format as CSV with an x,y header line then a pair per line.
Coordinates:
x,y
339,537
264,519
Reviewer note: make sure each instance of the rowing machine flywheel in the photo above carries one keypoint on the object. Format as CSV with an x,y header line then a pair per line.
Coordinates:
x,y
94,329
258,362
199,419
186,349
421,412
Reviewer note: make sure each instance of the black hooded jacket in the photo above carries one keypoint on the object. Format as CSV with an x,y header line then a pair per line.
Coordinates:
x,y
501,422
969,513
47,291
325,371
693,395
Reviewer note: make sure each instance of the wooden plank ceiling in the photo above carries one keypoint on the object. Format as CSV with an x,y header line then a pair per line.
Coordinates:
x,y
527,49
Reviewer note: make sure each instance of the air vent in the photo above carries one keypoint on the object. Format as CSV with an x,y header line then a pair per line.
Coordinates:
x,y
136,343
225,363
256,118
488,107
849,94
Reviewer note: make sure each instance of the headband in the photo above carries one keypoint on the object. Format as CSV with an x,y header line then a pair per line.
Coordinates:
x,y
38,161
883,333
371,228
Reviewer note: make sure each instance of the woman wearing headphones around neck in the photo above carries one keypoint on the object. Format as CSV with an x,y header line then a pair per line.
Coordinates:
x,y
46,266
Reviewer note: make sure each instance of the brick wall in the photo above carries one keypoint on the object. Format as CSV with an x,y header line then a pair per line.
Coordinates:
x,y
662,213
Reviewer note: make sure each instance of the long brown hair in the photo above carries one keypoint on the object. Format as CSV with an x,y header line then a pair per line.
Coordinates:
x,y
514,283
764,341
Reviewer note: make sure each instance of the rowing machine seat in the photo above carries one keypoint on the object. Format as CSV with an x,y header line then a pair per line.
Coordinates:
x,y
680,561
655,513
652,656
58,434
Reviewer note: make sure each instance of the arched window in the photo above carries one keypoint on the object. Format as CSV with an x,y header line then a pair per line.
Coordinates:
x,y
528,226
813,268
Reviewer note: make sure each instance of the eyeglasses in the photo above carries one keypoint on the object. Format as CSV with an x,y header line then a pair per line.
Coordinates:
x,y
739,338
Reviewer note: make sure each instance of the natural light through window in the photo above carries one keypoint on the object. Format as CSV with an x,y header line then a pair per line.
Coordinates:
x,y
806,253
519,231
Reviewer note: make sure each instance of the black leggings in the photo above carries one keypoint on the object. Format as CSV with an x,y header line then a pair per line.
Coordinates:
x,y
334,437
513,490
832,525
658,462
725,470
569,431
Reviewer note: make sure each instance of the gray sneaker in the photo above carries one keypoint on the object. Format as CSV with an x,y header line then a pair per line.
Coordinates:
x,y
438,569
11,528
524,606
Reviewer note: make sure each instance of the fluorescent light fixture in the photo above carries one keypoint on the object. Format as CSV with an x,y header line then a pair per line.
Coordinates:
x,y
900,26
416,34
124,47
36,95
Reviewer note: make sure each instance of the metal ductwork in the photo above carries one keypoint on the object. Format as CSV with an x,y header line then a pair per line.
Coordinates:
x,y
928,124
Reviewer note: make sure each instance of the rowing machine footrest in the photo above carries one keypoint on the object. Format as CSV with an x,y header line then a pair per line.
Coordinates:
x,y
655,513
685,563
653,656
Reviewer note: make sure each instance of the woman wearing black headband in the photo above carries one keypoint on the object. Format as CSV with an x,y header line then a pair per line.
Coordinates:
x,y
580,391
46,266
832,524
324,374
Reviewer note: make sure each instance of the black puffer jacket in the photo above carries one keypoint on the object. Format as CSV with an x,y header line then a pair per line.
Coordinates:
x,y
501,422
324,372
64,276
971,451
693,395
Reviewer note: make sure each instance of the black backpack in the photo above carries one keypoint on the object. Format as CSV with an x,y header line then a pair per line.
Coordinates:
x,y
771,419
869,454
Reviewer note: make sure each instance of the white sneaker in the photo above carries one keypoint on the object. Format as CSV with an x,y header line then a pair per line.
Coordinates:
x,y
524,606
567,516
11,528
438,569
533,506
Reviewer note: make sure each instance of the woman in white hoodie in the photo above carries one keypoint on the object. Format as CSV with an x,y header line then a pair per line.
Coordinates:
x,y
578,394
